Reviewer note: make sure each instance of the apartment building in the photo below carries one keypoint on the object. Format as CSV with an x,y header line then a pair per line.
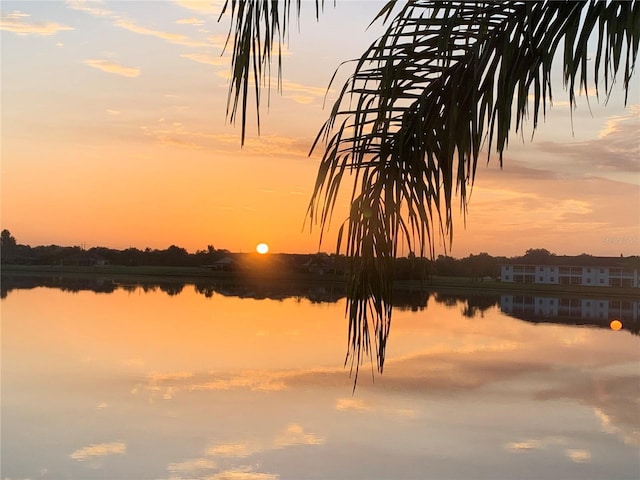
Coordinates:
x,y
604,272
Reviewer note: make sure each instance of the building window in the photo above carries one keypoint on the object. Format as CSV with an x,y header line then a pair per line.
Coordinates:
x,y
588,270
602,280
540,279
588,280
602,270
506,277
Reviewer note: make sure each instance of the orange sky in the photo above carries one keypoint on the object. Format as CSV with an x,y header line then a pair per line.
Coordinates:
x,y
114,134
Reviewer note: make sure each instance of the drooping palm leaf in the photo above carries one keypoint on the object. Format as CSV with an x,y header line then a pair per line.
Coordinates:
x,y
258,28
444,79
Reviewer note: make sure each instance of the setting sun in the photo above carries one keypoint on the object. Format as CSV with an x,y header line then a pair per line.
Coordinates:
x,y
262,248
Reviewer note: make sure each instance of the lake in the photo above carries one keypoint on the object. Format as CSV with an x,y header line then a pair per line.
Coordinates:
x,y
131,381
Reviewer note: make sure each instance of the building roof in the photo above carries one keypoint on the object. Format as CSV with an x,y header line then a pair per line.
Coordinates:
x,y
578,261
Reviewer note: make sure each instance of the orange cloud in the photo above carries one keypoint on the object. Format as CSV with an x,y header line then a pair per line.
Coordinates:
x,y
169,37
111,67
17,22
206,59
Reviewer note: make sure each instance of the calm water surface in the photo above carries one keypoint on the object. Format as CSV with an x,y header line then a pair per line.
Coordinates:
x,y
149,385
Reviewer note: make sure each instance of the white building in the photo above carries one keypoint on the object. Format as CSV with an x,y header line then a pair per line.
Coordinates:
x,y
598,276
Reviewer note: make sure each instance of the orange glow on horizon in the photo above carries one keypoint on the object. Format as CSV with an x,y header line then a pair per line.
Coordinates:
x,y
262,248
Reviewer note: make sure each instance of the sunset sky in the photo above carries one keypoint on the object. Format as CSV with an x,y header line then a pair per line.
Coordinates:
x,y
114,134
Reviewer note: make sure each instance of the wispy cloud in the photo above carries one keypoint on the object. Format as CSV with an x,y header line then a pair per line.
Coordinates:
x,y
175,38
19,23
190,21
202,6
95,8
99,450
206,58
302,93
616,149
115,68
98,9
177,135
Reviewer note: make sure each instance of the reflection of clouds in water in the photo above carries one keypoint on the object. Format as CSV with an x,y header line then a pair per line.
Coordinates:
x,y
614,399
201,468
239,449
294,434
577,455
98,450
356,404
192,467
243,473
359,405
630,433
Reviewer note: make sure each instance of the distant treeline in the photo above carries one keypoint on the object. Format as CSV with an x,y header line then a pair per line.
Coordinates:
x,y
479,267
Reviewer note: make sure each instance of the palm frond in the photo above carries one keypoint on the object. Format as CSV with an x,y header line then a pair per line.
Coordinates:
x,y
443,79
446,79
257,29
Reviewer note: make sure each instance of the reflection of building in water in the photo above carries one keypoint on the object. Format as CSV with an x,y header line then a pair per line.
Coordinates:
x,y
570,309
607,273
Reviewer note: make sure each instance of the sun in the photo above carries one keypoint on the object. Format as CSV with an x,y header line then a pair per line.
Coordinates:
x,y
262,248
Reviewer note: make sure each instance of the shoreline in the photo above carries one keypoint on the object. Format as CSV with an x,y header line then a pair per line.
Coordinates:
x,y
200,274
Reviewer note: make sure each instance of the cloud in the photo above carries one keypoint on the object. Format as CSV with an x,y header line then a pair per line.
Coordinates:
x,y
111,67
190,21
98,10
202,6
616,149
95,8
205,58
175,38
99,450
17,22
219,41
176,135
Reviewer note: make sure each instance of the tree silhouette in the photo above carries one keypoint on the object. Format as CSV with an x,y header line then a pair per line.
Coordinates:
x,y
445,80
